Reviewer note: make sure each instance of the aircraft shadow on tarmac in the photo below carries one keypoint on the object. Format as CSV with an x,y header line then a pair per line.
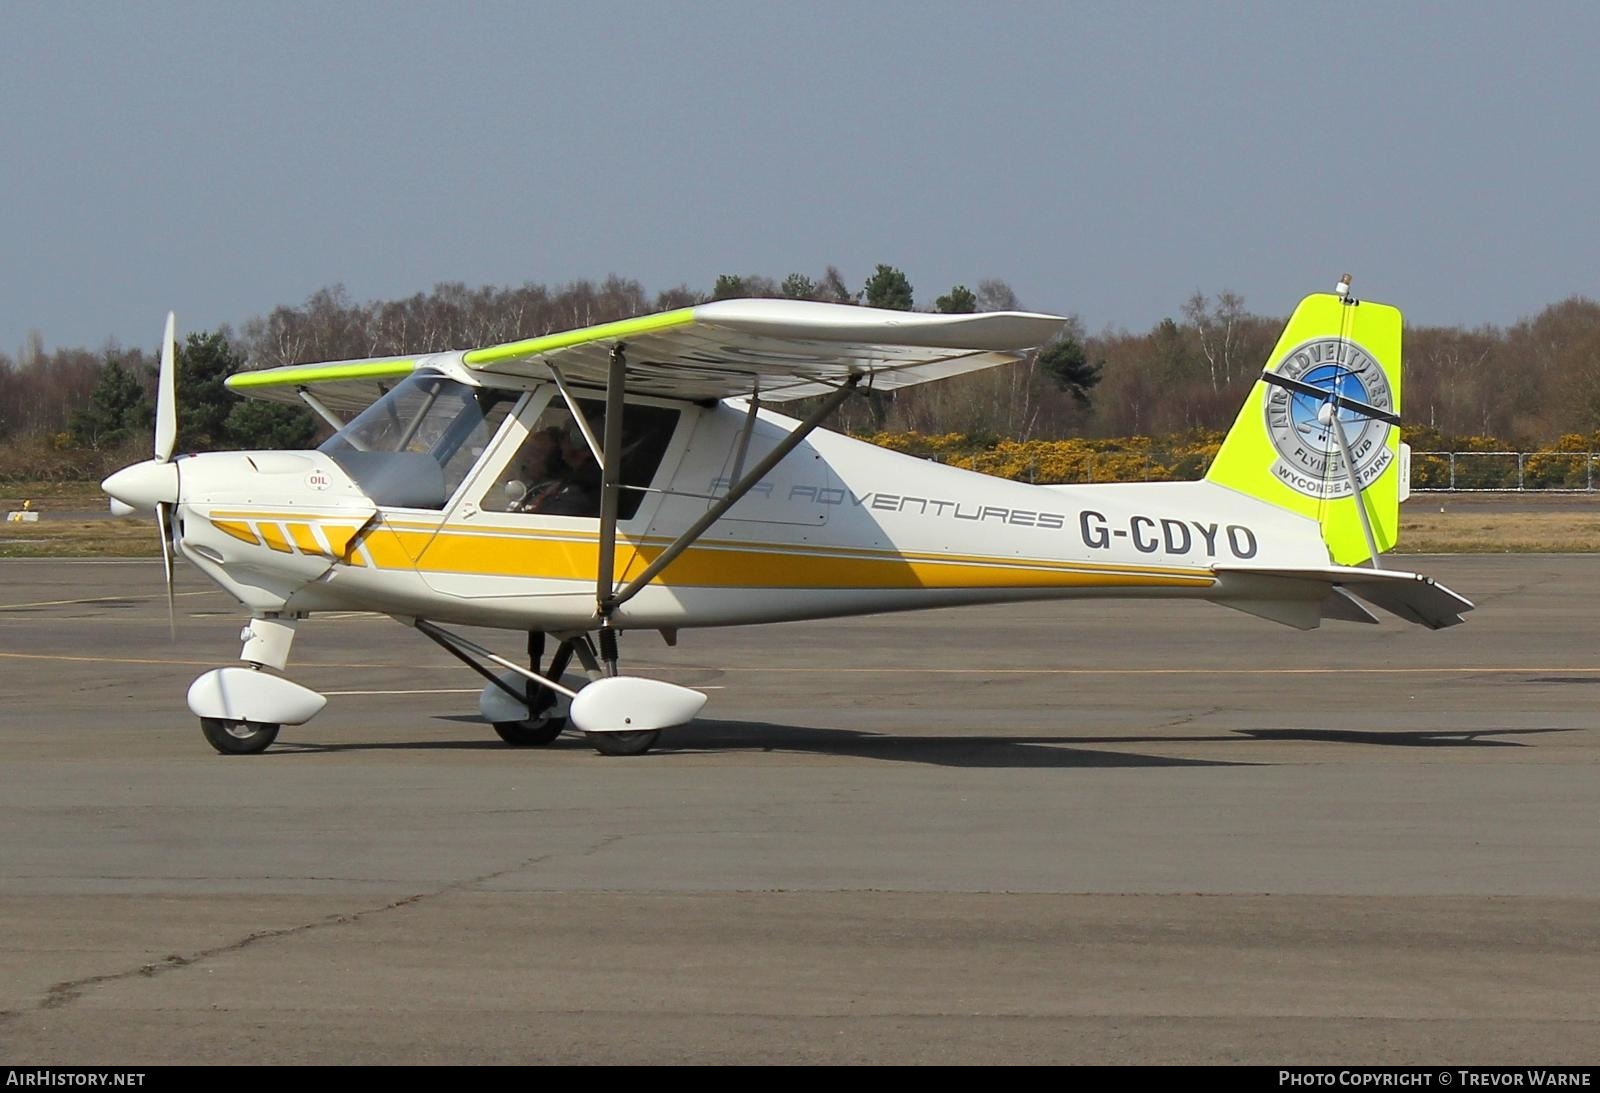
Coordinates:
x,y
1433,738
989,750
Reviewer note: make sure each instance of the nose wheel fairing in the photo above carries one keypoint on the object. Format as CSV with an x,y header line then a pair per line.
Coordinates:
x,y
249,694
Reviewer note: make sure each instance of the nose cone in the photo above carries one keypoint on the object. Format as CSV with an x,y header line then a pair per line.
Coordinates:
x,y
145,485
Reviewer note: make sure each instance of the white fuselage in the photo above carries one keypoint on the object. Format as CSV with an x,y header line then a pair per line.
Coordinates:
x,y
839,527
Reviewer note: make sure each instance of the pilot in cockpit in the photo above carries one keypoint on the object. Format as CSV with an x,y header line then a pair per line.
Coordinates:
x,y
579,491
540,471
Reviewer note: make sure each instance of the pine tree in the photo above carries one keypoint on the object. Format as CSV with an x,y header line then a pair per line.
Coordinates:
x,y
1068,367
119,410
888,288
960,301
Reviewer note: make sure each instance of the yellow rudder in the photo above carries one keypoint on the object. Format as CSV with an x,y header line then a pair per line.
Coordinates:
x,y
1284,446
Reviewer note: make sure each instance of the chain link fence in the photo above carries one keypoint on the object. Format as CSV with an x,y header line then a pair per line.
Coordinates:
x,y
1483,472
1063,462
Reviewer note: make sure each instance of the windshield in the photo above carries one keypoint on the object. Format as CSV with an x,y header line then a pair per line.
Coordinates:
x,y
413,447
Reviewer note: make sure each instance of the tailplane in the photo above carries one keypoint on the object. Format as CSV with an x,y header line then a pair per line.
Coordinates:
x,y
1324,412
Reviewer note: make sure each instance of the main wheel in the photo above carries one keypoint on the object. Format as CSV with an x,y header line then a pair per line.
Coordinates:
x,y
532,733
623,743
238,737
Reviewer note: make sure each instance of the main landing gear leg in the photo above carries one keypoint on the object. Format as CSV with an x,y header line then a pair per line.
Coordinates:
x,y
525,711
542,725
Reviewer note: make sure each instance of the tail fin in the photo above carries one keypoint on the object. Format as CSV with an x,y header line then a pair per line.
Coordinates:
x,y
1283,451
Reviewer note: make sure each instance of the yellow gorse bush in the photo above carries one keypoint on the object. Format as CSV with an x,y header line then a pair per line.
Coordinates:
x,y
1122,459
1187,456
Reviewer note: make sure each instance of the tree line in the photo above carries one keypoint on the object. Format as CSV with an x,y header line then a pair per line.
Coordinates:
x,y
1525,385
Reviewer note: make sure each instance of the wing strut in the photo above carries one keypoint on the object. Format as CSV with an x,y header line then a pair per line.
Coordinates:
x,y
744,434
610,489
577,414
335,422
737,491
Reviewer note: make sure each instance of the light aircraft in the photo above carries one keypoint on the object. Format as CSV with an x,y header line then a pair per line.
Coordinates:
x,y
633,476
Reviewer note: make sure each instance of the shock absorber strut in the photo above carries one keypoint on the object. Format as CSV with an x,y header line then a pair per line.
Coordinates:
x,y
608,647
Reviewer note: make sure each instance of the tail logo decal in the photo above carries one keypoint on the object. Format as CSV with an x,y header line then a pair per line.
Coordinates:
x,y
1308,455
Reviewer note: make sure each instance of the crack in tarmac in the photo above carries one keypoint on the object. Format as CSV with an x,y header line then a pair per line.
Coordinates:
x,y
1189,719
65,993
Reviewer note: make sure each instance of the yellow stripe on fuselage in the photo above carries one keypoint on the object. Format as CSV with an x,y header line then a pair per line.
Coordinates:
x,y
272,535
550,554
523,535
305,539
238,529
501,553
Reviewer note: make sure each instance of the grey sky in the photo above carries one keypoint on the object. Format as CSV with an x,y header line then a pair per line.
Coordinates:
x,y
221,159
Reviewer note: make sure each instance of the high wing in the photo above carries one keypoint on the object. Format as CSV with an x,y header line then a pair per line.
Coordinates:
x,y
787,349
783,349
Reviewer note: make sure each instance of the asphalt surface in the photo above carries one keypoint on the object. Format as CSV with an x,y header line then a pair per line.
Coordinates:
x,y
1092,832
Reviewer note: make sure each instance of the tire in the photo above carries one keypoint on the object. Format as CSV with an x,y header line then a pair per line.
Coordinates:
x,y
623,743
238,737
533,733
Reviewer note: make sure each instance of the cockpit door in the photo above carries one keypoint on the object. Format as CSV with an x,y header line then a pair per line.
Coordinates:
x,y
527,521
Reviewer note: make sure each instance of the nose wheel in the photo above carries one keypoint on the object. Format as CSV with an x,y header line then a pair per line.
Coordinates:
x,y
241,709
238,737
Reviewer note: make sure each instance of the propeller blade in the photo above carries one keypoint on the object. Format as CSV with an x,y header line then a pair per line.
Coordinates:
x,y
1328,414
164,526
1323,394
166,398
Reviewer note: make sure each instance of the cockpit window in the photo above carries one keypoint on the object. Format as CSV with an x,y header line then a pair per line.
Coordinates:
x,y
555,474
413,447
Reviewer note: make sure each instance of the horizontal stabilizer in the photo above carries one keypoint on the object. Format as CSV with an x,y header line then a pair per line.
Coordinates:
x,y
1412,596
1339,604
